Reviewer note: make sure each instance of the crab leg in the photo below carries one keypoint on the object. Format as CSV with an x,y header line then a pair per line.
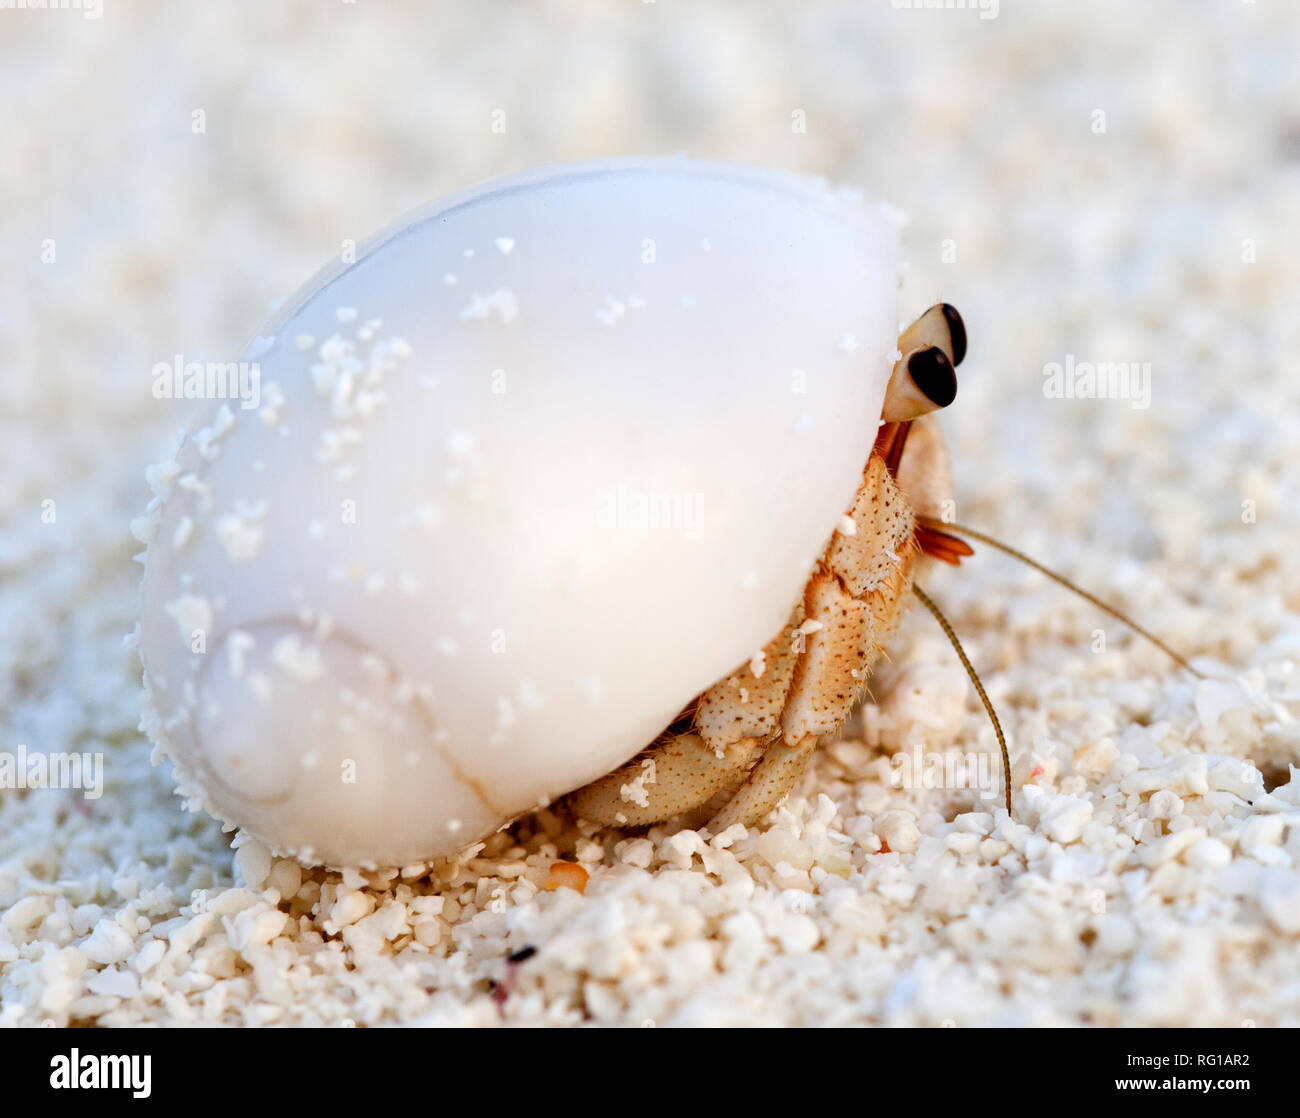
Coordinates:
x,y
767,785
838,631
852,606
680,773
672,777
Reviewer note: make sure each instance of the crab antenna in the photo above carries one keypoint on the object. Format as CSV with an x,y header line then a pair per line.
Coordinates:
x,y
979,687
1063,581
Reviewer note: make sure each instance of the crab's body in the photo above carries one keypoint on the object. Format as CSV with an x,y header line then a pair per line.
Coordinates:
x,y
805,682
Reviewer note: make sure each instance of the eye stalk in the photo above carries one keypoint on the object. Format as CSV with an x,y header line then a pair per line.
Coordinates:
x,y
940,326
922,382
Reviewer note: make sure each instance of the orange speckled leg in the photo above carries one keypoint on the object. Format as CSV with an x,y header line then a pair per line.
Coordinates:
x,y
768,784
680,773
673,776
852,604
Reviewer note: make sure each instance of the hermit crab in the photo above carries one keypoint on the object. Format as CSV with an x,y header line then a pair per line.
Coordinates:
x,y
804,683
609,480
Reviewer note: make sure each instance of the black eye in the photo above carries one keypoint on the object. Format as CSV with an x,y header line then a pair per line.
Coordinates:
x,y
933,375
956,331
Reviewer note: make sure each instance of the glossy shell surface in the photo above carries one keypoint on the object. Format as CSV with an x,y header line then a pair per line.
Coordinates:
x,y
547,460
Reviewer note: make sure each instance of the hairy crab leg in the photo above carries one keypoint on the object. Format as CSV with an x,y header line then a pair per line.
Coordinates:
x,y
776,773
672,777
827,683
853,604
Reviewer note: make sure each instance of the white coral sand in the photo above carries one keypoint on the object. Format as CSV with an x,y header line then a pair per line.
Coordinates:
x,y
1088,183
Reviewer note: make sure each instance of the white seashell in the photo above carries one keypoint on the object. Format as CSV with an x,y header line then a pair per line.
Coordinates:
x,y
505,533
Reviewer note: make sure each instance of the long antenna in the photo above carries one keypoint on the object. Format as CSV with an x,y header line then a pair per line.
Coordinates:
x,y
979,687
1007,549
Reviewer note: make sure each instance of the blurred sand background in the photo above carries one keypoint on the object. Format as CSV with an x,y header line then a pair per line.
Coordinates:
x,y
1151,879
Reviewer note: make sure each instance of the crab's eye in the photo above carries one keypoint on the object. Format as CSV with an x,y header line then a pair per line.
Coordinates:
x,y
956,332
922,382
933,375
940,326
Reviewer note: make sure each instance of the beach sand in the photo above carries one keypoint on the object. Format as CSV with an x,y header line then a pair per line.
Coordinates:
x,y
1087,183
